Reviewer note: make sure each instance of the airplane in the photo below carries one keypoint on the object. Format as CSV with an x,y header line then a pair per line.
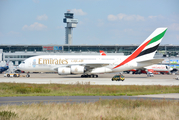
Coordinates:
x,y
163,69
90,65
102,53
4,68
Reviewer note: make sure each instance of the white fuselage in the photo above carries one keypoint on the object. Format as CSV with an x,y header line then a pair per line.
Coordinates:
x,y
71,64
159,68
102,64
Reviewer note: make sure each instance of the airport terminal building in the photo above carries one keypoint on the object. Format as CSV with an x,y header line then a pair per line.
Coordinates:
x,y
18,53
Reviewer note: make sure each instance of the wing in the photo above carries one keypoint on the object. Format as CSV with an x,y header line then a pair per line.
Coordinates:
x,y
152,61
88,67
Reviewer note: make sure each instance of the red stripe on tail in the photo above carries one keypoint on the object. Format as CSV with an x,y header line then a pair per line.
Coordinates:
x,y
134,54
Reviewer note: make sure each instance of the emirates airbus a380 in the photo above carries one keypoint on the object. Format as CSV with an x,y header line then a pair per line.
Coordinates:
x,y
90,66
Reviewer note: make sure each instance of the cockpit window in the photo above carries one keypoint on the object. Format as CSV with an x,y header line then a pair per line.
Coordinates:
x,y
23,62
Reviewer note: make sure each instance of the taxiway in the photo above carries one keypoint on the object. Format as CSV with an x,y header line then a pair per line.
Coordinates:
x,y
103,79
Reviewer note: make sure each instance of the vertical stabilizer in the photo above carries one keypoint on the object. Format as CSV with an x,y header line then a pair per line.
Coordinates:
x,y
148,48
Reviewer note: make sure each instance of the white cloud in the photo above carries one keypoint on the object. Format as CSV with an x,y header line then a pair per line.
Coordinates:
x,y
42,17
35,1
35,26
78,12
122,16
112,18
156,17
174,26
152,17
13,33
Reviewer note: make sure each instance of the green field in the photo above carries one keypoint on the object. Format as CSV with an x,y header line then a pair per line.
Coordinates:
x,y
85,89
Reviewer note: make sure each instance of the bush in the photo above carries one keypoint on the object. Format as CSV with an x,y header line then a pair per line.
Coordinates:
x,y
6,115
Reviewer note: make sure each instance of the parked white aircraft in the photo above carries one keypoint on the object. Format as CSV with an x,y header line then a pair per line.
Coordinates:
x,y
163,69
90,66
159,68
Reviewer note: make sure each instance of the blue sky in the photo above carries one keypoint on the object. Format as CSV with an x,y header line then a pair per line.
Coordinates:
x,y
105,22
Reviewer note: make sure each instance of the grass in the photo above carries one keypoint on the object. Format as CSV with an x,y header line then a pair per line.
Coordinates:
x,y
85,89
7,115
117,109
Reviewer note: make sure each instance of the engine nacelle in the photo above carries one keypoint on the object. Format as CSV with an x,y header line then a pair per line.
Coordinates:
x,y
76,69
64,71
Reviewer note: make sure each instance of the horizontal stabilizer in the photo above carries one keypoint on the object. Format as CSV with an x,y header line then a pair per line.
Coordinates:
x,y
152,61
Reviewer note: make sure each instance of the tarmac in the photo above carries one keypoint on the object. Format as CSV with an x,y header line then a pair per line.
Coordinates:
x,y
103,79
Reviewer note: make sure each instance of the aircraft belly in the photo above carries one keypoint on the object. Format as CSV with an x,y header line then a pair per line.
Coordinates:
x,y
101,70
39,69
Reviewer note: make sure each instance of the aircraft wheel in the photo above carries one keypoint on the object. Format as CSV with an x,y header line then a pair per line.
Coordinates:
x,y
8,75
93,76
96,76
27,76
15,75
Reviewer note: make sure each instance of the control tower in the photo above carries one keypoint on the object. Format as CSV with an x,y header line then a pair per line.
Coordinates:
x,y
71,23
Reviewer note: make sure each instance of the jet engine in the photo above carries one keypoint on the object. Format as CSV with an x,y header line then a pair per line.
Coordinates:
x,y
64,71
75,69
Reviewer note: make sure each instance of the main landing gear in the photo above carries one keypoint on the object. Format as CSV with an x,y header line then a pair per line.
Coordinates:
x,y
85,76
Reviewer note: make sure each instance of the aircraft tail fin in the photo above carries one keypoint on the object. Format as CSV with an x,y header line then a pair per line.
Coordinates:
x,y
148,48
102,53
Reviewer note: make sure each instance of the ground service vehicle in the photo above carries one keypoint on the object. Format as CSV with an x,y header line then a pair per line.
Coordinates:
x,y
118,78
150,74
12,75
